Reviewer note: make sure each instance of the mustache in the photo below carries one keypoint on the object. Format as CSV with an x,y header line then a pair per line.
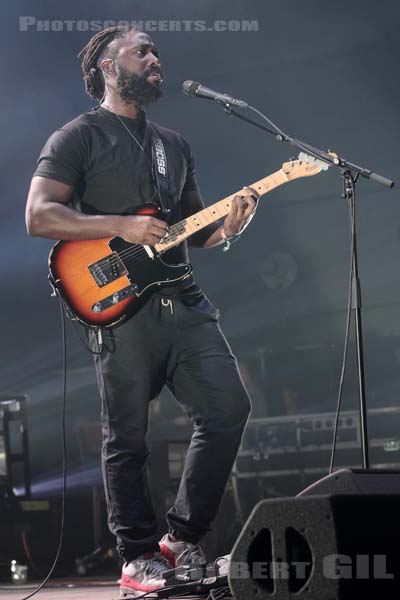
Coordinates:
x,y
153,71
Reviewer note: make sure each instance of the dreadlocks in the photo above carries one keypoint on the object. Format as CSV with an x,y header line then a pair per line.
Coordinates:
x,y
93,53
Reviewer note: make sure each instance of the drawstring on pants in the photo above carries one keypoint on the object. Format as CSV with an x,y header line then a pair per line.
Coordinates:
x,y
168,302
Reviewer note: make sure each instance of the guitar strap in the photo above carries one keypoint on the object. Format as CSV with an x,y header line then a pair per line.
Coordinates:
x,y
160,171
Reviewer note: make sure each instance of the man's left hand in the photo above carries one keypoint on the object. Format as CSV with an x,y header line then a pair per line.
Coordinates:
x,y
243,205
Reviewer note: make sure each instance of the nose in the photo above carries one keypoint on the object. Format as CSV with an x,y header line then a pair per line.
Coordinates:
x,y
153,60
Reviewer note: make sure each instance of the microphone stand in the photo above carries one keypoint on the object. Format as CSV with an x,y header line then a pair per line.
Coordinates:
x,y
350,173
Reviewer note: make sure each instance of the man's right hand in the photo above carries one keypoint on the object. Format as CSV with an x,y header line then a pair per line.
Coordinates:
x,y
48,215
141,229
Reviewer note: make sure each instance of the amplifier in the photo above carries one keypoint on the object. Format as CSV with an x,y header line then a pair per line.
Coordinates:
x,y
287,445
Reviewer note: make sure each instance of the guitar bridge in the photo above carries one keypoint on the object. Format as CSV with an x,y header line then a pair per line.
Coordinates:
x,y
107,269
123,294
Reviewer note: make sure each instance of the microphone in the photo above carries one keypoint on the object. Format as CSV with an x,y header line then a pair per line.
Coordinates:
x,y
193,88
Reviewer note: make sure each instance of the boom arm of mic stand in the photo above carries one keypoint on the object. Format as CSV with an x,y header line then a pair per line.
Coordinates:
x,y
334,161
230,111
346,165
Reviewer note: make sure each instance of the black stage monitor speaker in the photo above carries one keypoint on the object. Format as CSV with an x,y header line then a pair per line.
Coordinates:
x,y
356,481
340,543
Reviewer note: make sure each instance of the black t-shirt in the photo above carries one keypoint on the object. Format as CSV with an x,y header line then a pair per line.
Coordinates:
x,y
111,174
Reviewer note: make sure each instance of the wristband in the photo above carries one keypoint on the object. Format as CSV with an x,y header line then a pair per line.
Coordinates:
x,y
234,238
228,240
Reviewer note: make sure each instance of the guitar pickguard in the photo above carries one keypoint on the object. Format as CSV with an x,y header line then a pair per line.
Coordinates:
x,y
145,268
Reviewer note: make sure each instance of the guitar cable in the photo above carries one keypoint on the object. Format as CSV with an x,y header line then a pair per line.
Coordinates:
x,y
64,311
84,342
64,461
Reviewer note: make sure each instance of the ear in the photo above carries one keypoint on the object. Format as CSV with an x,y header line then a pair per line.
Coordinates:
x,y
107,66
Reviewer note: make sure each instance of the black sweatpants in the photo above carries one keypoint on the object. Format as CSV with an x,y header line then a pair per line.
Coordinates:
x,y
168,343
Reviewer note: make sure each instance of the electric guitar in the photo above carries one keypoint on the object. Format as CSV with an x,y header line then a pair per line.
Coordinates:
x,y
104,282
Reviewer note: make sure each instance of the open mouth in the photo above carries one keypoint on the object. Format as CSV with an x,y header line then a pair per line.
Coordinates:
x,y
156,75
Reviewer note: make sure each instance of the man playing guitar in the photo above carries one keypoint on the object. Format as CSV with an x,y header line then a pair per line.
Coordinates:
x,y
111,173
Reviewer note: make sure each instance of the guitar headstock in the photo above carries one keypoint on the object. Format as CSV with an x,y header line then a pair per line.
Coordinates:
x,y
304,166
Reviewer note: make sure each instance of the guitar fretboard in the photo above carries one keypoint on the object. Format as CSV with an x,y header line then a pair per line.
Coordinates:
x,y
184,229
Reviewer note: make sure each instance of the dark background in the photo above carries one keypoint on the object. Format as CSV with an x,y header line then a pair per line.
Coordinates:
x,y
327,72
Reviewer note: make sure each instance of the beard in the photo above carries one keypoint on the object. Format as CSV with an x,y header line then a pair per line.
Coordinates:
x,y
136,89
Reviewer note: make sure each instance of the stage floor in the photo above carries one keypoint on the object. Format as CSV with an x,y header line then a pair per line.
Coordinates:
x,y
69,590
73,589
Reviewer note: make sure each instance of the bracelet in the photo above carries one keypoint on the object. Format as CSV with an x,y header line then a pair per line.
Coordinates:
x,y
228,240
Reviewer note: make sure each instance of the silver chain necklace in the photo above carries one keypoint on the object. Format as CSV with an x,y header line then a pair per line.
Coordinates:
x,y
149,162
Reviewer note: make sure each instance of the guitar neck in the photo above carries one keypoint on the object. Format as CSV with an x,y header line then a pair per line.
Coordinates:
x,y
184,229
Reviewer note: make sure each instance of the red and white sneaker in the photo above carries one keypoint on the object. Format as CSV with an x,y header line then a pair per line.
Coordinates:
x,y
143,575
180,553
